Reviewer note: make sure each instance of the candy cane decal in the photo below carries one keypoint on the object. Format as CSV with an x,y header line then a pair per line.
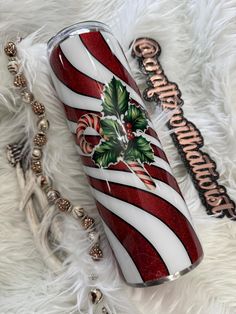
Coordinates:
x,y
142,174
123,130
87,120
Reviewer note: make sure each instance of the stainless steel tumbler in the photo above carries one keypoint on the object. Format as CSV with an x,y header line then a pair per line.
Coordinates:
x,y
141,206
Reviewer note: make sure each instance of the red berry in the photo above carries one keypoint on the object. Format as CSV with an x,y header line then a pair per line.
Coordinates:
x,y
129,131
128,125
130,136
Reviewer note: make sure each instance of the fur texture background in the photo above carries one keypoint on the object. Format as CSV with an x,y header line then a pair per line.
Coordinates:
x,y
198,40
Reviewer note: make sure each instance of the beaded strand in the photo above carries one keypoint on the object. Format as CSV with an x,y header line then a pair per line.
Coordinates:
x,y
39,141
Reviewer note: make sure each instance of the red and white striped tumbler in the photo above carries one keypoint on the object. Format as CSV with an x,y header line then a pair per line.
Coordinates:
x,y
142,209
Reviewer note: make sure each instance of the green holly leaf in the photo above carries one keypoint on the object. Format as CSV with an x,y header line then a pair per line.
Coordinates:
x,y
139,149
137,118
107,153
111,128
116,99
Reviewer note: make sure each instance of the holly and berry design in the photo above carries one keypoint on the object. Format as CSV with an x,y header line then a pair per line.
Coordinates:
x,y
121,127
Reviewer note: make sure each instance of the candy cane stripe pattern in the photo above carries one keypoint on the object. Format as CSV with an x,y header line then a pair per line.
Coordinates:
x,y
87,120
142,174
141,206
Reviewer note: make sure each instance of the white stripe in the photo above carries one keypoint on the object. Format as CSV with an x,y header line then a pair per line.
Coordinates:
x,y
153,140
155,231
130,179
75,100
144,177
137,169
76,53
126,263
161,163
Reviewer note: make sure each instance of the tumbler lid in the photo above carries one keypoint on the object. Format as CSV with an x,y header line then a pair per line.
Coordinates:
x,y
77,28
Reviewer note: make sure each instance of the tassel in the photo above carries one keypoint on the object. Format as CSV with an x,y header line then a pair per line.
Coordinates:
x,y
40,229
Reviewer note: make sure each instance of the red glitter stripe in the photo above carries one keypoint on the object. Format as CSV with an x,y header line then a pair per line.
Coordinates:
x,y
105,56
147,260
159,208
72,77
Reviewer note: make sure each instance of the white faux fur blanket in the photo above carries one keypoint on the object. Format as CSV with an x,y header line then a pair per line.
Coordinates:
x,y
198,40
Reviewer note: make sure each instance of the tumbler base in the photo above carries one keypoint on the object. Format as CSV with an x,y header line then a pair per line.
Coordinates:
x,y
168,278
